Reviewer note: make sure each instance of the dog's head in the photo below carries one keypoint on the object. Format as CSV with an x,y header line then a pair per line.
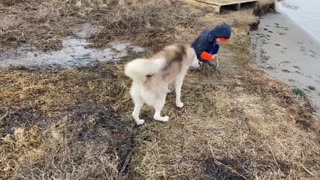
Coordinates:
x,y
196,63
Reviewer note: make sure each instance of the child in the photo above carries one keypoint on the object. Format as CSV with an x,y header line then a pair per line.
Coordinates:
x,y
207,44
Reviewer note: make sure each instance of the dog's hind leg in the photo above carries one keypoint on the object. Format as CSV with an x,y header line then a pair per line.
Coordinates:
x,y
178,83
138,103
158,105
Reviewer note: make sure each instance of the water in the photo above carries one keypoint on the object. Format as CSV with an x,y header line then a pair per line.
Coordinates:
x,y
73,54
305,13
286,46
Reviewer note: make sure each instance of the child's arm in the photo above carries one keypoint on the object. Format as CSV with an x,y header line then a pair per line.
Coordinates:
x,y
207,56
211,53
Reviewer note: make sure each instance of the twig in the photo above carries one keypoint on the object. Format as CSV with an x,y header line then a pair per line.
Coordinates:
x,y
220,163
4,116
274,157
125,164
306,169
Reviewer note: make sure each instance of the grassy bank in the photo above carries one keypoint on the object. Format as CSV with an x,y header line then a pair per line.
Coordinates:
x,y
76,123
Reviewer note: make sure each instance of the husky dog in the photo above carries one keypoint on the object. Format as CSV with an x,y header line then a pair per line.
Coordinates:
x,y
151,78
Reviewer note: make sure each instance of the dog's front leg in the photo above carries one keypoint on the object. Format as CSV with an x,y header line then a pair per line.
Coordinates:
x,y
179,82
158,105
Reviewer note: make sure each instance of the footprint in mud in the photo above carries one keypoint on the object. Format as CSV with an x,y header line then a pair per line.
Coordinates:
x,y
284,50
306,90
266,29
270,32
285,28
277,24
282,34
277,44
283,62
267,26
285,70
300,42
291,80
269,68
296,67
264,58
298,72
302,49
311,88
262,51
311,51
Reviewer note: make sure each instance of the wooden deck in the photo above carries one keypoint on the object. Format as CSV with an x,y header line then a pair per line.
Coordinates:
x,y
219,5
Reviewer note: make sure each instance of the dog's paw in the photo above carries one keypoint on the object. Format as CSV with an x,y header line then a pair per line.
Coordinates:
x,y
140,122
179,104
163,119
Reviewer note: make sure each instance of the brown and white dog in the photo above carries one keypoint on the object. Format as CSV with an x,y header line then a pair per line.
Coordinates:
x,y
151,78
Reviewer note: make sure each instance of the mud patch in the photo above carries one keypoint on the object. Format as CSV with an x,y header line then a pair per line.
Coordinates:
x,y
74,53
311,88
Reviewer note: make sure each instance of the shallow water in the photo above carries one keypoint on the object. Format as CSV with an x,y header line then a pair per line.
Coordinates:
x,y
73,53
304,13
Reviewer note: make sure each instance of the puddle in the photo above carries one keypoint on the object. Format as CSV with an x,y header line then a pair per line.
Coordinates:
x,y
73,54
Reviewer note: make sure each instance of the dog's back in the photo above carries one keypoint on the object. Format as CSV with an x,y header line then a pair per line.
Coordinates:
x,y
163,66
151,77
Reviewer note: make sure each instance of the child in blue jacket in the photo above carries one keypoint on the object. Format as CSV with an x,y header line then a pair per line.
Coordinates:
x,y
207,44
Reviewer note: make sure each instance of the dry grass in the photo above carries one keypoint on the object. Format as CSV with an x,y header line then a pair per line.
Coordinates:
x,y
76,123
237,125
44,23
56,125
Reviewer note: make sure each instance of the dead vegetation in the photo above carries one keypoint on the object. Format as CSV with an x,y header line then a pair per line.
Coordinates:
x,y
44,23
76,123
59,126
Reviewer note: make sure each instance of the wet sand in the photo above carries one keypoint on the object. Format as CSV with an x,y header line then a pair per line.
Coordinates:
x,y
285,51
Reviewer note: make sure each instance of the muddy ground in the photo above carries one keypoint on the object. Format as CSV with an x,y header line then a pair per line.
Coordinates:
x,y
279,53
76,123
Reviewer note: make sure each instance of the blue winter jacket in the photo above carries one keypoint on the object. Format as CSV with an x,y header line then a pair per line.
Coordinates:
x,y
206,41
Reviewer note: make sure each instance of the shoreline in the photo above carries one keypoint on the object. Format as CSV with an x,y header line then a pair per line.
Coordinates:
x,y
287,52
302,14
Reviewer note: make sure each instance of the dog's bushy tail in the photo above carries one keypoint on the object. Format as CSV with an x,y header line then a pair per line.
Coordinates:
x,y
138,69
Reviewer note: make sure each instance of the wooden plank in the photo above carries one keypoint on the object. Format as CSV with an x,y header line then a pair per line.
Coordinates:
x,y
225,2
205,6
208,4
